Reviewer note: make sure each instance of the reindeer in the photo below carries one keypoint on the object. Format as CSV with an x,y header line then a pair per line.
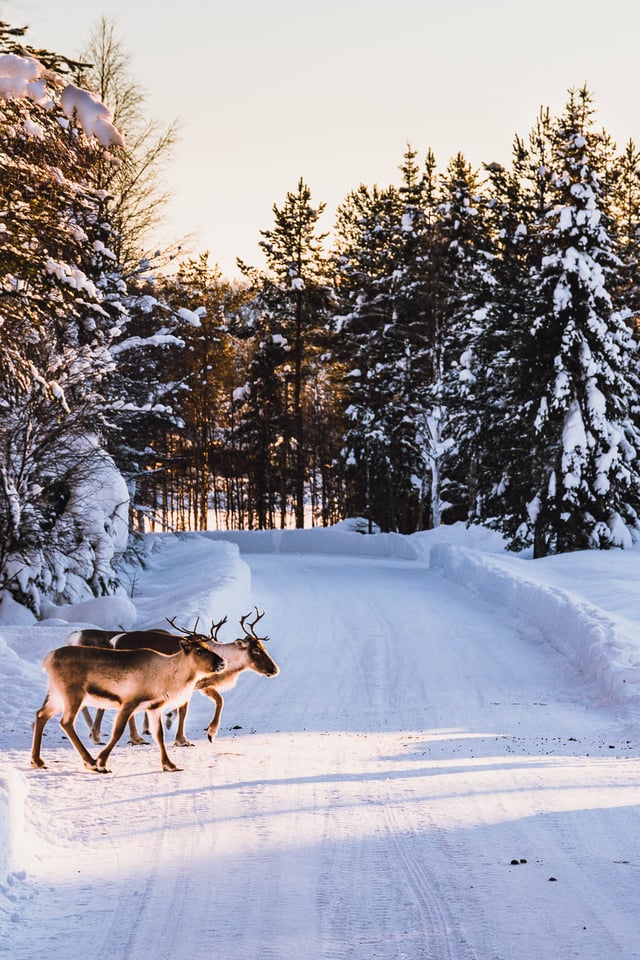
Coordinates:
x,y
159,640
128,679
246,653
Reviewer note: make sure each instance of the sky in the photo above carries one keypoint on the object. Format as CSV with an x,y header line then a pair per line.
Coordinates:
x,y
333,91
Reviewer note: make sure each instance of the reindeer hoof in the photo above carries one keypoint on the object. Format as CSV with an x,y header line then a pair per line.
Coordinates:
x,y
183,743
170,768
38,763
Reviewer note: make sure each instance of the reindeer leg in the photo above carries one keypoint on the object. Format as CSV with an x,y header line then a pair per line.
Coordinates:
x,y
217,697
96,727
134,736
155,722
87,717
72,706
44,714
181,740
119,724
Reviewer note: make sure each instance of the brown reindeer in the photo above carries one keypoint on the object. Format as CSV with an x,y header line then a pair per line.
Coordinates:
x,y
127,679
246,653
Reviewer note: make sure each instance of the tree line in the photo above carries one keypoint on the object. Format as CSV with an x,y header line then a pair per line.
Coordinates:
x,y
462,348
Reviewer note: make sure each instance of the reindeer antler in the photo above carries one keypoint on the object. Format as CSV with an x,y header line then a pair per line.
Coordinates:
x,y
253,635
213,632
186,632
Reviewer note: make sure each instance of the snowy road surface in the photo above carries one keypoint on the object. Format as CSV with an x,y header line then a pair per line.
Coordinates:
x,y
370,805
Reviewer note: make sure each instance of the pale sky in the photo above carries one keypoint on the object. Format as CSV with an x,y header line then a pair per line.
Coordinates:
x,y
332,91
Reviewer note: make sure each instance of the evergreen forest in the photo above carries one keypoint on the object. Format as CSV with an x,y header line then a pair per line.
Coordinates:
x,y
462,346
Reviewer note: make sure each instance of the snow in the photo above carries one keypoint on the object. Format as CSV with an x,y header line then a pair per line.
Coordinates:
x,y
115,612
22,77
91,115
446,766
191,317
25,77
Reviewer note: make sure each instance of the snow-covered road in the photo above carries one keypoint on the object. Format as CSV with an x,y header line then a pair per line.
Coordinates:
x,y
371,804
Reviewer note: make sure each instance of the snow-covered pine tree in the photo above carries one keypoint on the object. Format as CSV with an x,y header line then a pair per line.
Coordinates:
x,y
293,295
57,535
625,196
261,428
466,252
208,371
367,226
576,484
492,438
419,294
143,396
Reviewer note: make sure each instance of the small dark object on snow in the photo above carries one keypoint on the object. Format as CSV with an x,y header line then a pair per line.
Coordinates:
x,y
236,726
553,879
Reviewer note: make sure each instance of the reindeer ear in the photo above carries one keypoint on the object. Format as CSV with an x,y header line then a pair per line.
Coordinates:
x,y
186,643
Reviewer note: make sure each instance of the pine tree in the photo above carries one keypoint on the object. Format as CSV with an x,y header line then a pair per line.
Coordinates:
x,y
293,296
420,293
366,227
626,209
572,399
58,322
207,370
467,262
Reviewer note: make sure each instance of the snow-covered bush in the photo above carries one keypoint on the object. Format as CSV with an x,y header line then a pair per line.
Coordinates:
x,y
63,504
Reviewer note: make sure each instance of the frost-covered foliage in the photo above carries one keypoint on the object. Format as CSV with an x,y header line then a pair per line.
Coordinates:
x,y
487,330
368,344
567,424
286,321
63,505
80,346
413,266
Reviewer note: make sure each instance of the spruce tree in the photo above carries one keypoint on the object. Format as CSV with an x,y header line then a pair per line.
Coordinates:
x,y
625,197
366,227
467,260
572,399
293,294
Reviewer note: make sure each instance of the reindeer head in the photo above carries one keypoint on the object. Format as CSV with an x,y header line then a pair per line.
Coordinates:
x,y
260,661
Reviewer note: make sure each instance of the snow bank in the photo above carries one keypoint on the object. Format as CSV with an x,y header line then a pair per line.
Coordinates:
x,y
320,540
19,679
474,537
603,648
186,577
13,791
107,613
189,577
13,612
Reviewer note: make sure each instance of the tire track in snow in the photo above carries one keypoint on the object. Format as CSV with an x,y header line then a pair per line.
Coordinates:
x,y
442,939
